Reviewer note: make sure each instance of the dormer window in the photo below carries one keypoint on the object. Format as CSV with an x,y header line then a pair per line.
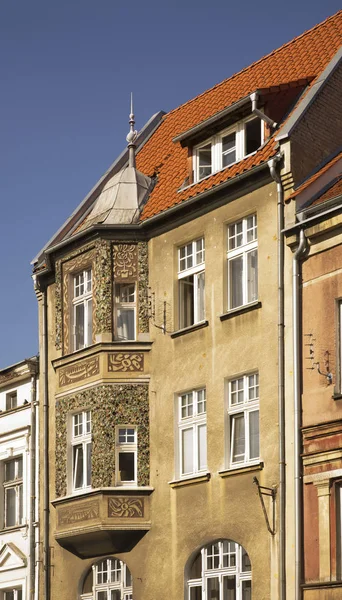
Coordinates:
x,y
227,147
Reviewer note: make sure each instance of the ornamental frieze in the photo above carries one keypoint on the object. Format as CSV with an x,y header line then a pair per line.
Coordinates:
x,y
125,258
121,507
75,514
125,362
79,372
8,377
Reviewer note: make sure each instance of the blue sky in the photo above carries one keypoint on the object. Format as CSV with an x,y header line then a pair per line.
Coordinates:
x,y
67,69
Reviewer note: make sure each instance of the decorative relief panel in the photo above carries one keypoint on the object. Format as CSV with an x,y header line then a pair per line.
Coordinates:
x,y
8,376
111,405
123,507
104,287
125,362
58,306
81,512
143,301
79,371
125,259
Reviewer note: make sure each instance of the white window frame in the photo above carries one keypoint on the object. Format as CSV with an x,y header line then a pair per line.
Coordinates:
x,y
81,427
125,306
197,269
11,400
120,569
128,446
4,593
193,420
216,147
84,299
220,572
243,251
244,408
18,485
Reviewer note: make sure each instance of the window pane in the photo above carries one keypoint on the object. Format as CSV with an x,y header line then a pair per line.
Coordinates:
x,y
9,595
201,402
252,276
102,595
252,136
246,563
78,466
229,587
79,326
115,595
10,500
128,577
213,556
20,493
228,150
238,441
200,251
235,282
196,593
186,301
254,434
200,297
187,405
246,590
126,466
196,569
235,235
90,322
213,587
187,451
202,447
251,228
204,161
10,470
88,464
102,572
236,391
125,324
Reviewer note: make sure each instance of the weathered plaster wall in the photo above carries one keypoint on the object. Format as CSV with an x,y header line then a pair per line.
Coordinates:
x,y
111,405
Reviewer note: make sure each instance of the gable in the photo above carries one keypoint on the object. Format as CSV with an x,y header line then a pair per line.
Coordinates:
x,y
11,557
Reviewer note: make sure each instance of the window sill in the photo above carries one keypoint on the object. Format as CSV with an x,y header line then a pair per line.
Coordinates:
x,y
194,327
13,528
176,483
337,396
239,470
240,310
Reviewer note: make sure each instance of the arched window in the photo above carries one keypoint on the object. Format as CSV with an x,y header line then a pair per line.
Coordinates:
x,y
109,579
220,571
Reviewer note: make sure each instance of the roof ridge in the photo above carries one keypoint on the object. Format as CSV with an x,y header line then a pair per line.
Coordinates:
x,y
306,32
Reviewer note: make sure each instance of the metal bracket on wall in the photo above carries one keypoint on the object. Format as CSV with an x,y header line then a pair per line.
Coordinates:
x,y
271,492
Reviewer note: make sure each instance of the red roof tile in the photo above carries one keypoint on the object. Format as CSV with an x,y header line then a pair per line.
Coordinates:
x,y
304,57
334,191
316,175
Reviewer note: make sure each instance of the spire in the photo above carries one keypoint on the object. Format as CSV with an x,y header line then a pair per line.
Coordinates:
x,y
131,137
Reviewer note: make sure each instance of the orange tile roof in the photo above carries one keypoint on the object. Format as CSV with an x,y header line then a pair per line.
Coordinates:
x,y
316,175
334,191
304,57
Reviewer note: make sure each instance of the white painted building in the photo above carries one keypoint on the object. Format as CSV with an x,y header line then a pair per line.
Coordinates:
x,y
19,481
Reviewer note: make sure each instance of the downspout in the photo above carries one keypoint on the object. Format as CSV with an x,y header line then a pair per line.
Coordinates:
x,y
32,533
281,376
259,113
46,510
297,412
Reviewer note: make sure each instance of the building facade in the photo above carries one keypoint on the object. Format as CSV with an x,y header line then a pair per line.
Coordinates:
x,y
166,346
19,447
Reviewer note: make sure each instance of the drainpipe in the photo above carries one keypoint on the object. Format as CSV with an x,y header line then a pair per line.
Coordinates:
x,y
259,113
281,375
32,533
46,510
297,411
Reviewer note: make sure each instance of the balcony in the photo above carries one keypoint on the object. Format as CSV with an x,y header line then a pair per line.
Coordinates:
x,y
102,521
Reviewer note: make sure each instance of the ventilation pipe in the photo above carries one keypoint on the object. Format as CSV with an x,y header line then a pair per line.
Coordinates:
x,y
254,99
300,252
281,375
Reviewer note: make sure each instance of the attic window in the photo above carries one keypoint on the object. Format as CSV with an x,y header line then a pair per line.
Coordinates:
x,y
227,147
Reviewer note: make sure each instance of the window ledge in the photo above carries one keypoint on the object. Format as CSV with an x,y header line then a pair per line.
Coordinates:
x,y
239,470
337,396
240,310
194,327
190,481
13,528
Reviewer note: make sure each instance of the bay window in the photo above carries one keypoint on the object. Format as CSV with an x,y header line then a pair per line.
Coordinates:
x,y
81,446
82,309
191,281
242,261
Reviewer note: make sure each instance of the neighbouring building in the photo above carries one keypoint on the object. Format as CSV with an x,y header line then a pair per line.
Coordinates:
x,y
319,219
19,446
166,345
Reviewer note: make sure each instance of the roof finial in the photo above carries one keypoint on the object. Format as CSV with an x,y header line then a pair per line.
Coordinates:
x,y
131,137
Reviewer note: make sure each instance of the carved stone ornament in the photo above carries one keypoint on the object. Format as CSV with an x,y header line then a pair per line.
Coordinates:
x,y
8,376
125,258
122,507
82,512
79,371
123,362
